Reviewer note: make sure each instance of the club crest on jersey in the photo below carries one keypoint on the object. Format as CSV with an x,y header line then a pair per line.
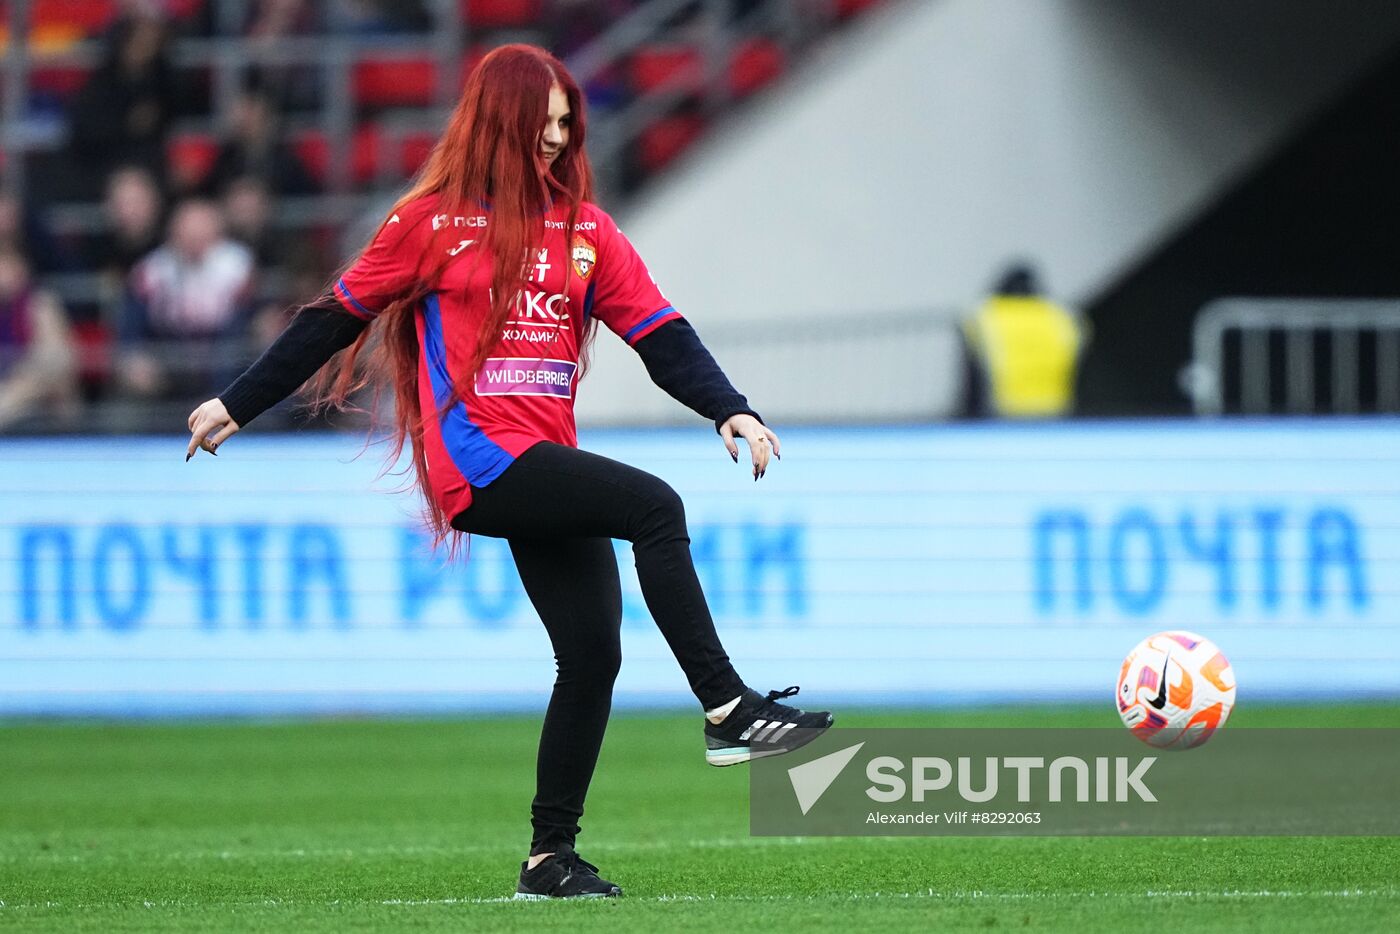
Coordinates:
x,y
584,257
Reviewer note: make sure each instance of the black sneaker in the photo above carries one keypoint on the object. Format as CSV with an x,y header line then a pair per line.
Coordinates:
x,y
760,726
563,875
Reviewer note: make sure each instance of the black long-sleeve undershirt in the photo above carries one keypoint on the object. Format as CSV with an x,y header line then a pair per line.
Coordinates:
x,y
680,364
316,333
674,357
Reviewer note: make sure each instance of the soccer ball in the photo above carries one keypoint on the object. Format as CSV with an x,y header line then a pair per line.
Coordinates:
x,y
1175,689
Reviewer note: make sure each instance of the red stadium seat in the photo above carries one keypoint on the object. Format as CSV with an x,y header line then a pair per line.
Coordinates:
x,y
848,8
480,14
87,16
314,151
668,66
59,80
395,83
94,346
416,148
364,152
755,63
666,139
191,156
183,9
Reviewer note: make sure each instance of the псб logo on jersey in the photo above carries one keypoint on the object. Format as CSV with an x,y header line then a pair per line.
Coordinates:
x,y
584,257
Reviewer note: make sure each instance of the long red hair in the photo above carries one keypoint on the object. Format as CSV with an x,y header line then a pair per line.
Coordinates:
x,y
488,155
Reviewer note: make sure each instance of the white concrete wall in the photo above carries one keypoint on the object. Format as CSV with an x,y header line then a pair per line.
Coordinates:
x,y
911,157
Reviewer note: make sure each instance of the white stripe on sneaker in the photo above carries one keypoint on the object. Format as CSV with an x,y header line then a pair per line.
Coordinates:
x,y
779,735
743,737
762,734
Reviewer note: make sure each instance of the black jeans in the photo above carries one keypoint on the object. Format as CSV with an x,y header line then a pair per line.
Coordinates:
x,y
559,508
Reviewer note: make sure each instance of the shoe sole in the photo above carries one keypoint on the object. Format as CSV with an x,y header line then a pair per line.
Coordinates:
x,y
532,897
737,755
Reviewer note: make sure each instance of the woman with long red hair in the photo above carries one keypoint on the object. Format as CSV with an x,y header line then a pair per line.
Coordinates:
x,y
475,302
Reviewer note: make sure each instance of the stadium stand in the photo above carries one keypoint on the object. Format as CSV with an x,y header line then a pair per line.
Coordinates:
x,y
332,105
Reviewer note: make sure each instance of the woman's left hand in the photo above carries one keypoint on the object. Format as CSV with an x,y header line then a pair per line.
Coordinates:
x,y
761,441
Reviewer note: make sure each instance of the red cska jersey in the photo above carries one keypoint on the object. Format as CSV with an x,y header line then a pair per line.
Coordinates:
x,y
524,392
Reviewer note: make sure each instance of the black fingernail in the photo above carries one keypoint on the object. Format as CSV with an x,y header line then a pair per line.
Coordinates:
x,y
735,456
777,455
214,452
188,456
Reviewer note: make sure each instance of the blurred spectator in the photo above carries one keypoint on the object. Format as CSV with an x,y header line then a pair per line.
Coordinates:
x,y
121,114
195,18
248,213
1024,350
134,207
187,310
37,358
148,9
380,17
254,148
575,23
289,267
22,231
295,85
274,19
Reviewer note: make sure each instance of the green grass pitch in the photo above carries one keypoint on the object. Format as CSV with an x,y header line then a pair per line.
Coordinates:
x,y
345,825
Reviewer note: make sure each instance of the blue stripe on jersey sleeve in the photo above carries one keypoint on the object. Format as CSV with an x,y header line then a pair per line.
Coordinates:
x,y
364,312
646,322
479,459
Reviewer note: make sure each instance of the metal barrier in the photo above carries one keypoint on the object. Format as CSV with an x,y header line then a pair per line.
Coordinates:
x,y
895,368
1350,347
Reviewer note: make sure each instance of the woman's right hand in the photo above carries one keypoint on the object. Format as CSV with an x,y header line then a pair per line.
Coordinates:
x,y
209,417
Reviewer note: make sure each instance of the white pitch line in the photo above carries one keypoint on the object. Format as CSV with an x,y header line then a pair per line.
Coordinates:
x,y
932,894
415,850
949,896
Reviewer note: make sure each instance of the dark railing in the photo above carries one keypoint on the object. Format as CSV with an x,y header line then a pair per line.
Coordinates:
x,y
1296,357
